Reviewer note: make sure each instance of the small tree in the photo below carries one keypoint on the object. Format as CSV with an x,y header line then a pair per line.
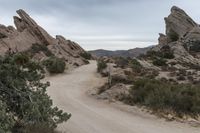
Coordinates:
x,y
23,98
101,65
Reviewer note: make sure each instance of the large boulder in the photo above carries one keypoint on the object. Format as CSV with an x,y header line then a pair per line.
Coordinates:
x,y
116,92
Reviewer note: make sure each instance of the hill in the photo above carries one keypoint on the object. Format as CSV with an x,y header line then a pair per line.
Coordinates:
x,y
120,53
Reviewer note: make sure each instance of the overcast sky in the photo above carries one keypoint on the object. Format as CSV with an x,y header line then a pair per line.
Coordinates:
x,y
96,24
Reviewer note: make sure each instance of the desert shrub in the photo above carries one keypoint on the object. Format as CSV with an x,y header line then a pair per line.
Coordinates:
x,y
135,65
190,78
151,74
168,55
181,78
192,46
55,65
165,52
153,54
101,65
36,48
6,119
86,55
2,36
120,79
159,62
122,62
195,46
161,95
23,98
190,65
173,36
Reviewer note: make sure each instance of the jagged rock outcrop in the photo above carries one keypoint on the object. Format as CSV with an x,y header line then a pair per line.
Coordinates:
x,y
180,29
28,32
162,39
181,46
25,22
178,23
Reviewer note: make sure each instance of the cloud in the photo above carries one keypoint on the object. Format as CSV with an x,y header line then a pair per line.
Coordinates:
x,y
100,20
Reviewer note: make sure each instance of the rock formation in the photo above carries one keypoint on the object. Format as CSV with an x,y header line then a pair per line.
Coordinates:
x,y
180,29
178,23
183,39
28,32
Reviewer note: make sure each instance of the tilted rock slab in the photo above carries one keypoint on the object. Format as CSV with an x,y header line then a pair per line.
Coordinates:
x,y
28,32
179,22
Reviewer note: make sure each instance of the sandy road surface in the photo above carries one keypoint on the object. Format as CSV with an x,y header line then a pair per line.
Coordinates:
x,y
92,116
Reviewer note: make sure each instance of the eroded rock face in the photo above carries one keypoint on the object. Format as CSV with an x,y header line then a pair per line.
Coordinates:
x,y
162,39
25,22
194,34
28,32
180,28
178,23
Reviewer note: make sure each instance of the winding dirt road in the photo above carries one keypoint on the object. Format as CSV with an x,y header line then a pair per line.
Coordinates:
x,y
92,116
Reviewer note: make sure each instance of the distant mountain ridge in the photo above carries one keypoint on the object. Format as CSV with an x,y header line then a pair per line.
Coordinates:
x,y
120,53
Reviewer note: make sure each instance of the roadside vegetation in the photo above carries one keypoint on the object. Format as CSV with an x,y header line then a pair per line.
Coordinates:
x,y
161,95
86,55
25,106
54,65
165,95
101,65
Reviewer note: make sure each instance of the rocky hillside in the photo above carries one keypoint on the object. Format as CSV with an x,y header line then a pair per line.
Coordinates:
x,y
120,53
166,79
29,34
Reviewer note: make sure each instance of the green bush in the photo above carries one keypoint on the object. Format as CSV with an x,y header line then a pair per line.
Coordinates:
x,y
192,46
161,95
2,36
101,65
23,97
173,36
135,65
159,62
6,119
165,52
121,62
55,65
86,55
36,48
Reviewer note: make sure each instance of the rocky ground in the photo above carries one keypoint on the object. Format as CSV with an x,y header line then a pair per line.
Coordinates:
x,y
89,115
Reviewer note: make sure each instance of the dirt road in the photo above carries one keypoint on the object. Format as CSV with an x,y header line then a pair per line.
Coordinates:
x,y
92,116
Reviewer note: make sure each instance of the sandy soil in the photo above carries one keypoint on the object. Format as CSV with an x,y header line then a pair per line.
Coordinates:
x,y
93,116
